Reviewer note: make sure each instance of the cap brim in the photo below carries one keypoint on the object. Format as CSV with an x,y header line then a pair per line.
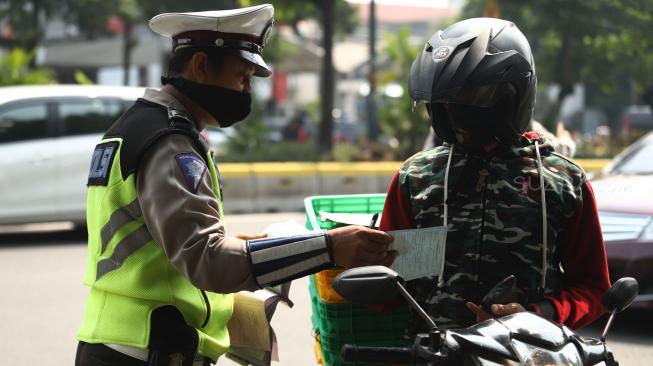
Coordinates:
x,y
262,69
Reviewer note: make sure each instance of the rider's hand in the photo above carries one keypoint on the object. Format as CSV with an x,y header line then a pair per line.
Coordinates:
x,y
506,309
243,236
481,315
498,310
355,246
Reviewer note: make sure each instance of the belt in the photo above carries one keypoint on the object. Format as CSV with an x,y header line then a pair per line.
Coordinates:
x,y
142,354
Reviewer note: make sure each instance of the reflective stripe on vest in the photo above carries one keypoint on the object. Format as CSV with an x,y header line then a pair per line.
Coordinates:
x,y
128,245
118,219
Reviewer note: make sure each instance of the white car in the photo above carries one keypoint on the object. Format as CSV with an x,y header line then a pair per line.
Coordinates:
x,y
47,136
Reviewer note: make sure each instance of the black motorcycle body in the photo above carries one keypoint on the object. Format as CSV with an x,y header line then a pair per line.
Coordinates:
x,y
517,339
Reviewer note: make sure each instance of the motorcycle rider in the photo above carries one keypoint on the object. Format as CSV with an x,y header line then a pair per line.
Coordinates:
x,y
484,185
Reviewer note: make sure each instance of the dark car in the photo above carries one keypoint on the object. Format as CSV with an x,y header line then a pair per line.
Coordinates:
x,y
624,195
637,120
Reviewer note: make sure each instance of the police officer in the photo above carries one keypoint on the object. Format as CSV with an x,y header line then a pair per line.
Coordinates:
x,y
161,268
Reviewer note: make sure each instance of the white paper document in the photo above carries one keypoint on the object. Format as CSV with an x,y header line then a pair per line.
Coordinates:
x,y
421,252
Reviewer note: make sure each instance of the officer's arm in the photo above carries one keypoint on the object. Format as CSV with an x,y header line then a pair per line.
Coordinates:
x,y
182,215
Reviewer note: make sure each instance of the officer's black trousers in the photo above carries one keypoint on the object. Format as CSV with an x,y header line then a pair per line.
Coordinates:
x,y
169,336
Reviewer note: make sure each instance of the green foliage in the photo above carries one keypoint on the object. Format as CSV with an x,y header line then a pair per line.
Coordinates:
x,y
15,69
291,12
336,17
23,16
150,8
396,115
251,143
343,152
251,134
92,15
278,48
274,152
575,41
81,78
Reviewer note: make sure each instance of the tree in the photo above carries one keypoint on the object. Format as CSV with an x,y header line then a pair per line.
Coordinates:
x,y
396,115
25,21
581,40
327,81
93,16
627,49
336,17
15,69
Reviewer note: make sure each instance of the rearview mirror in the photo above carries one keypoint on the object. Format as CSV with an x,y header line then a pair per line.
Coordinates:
x,y
368,285
620,295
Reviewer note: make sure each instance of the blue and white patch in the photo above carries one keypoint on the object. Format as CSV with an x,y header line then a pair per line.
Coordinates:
x,y
193,168
101,163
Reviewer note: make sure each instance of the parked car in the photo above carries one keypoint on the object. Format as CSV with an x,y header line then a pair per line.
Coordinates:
x,y
344,131
624,195
47,136
637,120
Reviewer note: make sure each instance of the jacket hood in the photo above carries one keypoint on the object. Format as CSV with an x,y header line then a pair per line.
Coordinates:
x,y
524,146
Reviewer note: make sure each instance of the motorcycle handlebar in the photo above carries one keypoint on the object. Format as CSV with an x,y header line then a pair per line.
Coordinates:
x,y
386,355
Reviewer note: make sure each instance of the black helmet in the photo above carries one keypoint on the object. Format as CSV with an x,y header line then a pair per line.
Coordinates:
x,y
477,78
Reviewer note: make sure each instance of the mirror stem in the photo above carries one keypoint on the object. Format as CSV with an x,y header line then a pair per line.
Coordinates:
x,y
416,306
607,325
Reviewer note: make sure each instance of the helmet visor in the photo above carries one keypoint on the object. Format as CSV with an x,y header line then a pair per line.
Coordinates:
x,y
420,82
484,96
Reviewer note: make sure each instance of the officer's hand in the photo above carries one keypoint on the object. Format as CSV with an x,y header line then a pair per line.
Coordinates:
x,y
355,246
498,310
243,236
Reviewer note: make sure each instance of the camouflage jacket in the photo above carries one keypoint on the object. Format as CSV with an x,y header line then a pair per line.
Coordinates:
x,y
494,222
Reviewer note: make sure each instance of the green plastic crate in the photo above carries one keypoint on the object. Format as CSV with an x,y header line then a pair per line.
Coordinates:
x,y
339,324
353,319
331,346
352,203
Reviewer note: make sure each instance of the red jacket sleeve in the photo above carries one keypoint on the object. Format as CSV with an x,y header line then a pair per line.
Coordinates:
x,y
585,265
397,215
398,211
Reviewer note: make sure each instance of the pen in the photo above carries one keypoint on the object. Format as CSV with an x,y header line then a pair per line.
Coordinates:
x,y
374,217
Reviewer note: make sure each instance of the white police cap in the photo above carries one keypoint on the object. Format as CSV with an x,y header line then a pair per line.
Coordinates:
x,y
241,31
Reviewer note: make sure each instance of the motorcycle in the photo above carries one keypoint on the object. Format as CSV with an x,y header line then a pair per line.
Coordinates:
x,y
517,339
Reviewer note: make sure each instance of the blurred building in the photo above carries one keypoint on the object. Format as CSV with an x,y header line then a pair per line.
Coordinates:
x,y
351,56
295,84
66,51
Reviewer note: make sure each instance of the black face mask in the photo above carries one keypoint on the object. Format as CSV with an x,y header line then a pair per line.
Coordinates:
x,y
225,105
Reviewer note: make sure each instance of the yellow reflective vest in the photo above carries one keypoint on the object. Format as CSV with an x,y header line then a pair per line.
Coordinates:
x,y
127,271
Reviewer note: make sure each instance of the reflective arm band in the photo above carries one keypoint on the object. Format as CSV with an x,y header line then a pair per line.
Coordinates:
x,y
279,260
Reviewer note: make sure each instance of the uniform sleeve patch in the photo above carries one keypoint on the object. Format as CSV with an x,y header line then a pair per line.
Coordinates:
x,y
192,167
101,163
